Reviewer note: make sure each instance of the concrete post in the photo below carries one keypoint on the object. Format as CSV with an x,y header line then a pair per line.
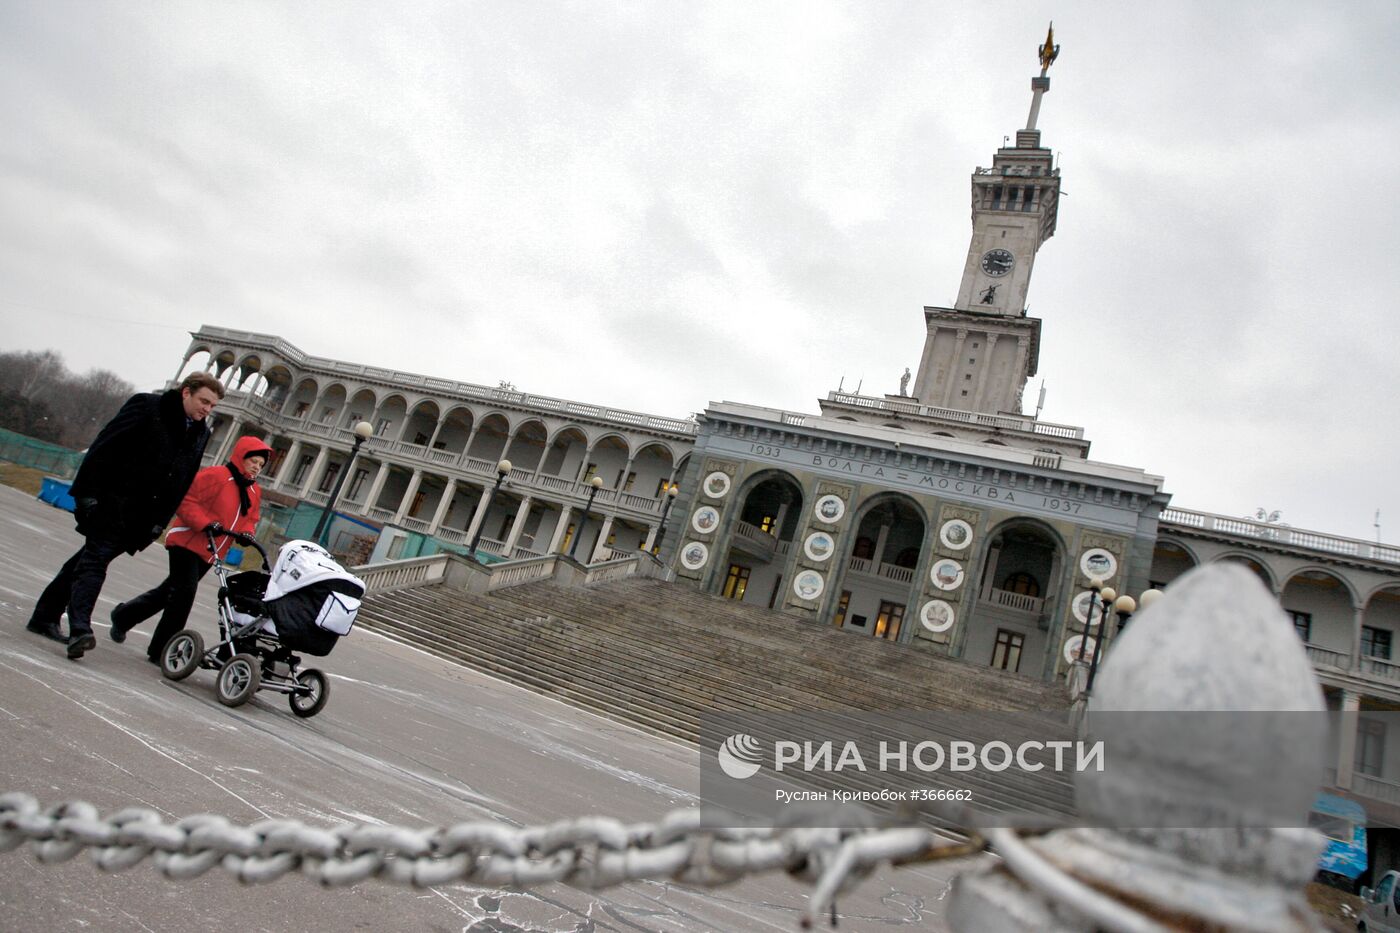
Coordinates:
x,y
407,500
602,542
517,526
314,474
440,516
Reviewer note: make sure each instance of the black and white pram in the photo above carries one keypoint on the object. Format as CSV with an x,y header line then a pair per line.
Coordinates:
x,y
304,605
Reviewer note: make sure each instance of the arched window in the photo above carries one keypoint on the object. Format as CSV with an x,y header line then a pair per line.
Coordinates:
x,y
1023,583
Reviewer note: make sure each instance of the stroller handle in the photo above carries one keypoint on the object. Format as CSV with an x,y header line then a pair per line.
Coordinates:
x,y
237,536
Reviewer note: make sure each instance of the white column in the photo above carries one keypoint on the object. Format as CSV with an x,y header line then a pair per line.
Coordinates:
x,y
377,486
289,464
1346,750
313,474
979,402
1356,616
521,515
467,447
778,519
479,515
626,468
440,515
437,429
583,464
1022,345
650,542
953,368
878,556
602,539
408,495
559,528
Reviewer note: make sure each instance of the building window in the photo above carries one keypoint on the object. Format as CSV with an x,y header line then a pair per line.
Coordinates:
x,y
661,486
1006,655
353,419
328,479
736,583
841,606
1022,583
326,414
767,525
382,427
888,621
1375,642
1302,623
864,549
357,482
627,484
589,472
417,504
301,409
568,539
505,527
1370,746
300,473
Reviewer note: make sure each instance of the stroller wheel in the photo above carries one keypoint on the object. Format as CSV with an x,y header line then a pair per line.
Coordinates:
x,y
181,655
311,694
238,680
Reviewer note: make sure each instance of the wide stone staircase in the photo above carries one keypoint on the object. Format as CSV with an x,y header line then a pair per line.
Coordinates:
x,y
661,656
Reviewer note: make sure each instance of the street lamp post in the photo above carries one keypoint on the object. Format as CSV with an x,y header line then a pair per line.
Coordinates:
x,y
363,431
502,471
1095,586
1124,606
671,492
597,484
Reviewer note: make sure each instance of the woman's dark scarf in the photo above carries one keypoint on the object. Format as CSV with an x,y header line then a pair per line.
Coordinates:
x,y
243,483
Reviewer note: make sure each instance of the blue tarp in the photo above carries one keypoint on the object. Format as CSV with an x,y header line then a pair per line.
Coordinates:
x,y
55,493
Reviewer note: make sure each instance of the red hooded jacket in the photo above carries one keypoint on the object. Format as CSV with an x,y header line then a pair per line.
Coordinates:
x,y
213,497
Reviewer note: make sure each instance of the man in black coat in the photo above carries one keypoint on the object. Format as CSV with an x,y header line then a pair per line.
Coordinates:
x,y
128,485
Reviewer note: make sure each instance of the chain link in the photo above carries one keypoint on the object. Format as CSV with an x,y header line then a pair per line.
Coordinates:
x,y
591,853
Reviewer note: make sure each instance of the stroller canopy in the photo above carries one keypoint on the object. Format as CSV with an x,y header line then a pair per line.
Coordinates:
x,y
301,564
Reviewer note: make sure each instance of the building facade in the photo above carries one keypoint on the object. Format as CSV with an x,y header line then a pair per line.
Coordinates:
x,y
944,519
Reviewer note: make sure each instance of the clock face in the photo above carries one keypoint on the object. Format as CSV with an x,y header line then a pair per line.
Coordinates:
x,y
997,261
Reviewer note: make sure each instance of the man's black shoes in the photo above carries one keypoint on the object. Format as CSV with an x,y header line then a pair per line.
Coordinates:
x,y
48,631
79,644
118,632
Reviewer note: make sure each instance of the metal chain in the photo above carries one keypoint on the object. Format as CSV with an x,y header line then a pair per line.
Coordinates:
x,y
589,853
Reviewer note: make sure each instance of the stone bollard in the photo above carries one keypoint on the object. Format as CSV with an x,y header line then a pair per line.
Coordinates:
x,y
1216,642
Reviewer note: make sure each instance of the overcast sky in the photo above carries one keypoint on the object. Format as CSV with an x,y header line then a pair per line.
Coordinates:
x,y
656,205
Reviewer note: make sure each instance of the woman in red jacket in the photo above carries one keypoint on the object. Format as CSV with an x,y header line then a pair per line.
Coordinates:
x,y
225,497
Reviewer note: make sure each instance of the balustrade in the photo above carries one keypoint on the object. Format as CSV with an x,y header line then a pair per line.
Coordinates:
x,y
1017,602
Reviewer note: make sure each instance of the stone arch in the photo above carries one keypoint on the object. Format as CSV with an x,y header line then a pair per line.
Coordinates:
x,y
223,362
278,385
333,399
564,451
360,407
490,441
245,371
1020,580
198,359
1261,570
420,423
880,567
611,452
1171,558
653,463
527,447
456,428
1322,604
757,532
1380,620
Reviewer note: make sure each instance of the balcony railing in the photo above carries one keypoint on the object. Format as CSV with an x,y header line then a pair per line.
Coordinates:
x,y
1003,422
867,567
1382,669
1016,602
1282,534
1326,657
1366,785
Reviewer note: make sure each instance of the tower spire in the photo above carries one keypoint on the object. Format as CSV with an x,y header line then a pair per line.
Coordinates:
x,y
1048,53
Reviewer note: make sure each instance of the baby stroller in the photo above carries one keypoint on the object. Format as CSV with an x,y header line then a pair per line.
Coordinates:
x,y
305,604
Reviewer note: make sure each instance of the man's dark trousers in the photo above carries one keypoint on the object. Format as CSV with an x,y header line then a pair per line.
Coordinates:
x,y
173,598
76,587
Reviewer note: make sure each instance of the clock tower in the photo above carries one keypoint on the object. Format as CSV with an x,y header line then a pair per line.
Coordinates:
x,y
979,353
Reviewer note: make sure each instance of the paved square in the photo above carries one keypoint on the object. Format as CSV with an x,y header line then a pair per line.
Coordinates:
x,y
406,739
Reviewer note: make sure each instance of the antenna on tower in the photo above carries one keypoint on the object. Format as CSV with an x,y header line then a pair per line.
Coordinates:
x,y
1041,403
1377,523
842,386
